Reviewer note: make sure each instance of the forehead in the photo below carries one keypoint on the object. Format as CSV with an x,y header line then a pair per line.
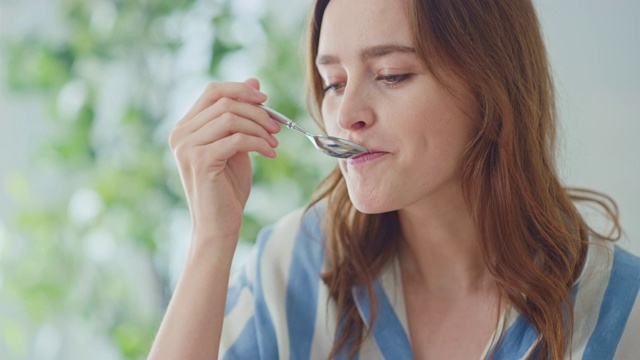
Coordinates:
x,y
349,25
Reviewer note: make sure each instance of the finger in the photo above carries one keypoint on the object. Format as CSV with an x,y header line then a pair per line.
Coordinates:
x,y
229,146
216,91
253,82
216,155
224,106
227,125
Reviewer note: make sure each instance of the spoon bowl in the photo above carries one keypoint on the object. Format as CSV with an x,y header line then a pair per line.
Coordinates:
x,y
329,145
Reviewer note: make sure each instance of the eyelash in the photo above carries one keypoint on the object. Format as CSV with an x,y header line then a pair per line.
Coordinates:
x,y
394,80
389,80
331,88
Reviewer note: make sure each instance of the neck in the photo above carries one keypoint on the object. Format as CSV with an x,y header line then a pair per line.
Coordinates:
x,y
440,246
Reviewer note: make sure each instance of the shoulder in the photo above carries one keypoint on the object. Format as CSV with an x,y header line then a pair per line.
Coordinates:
x,y
622,302
622,286
625,264
301,226
607,262
611,274
615,267
606,304
295,241
288,261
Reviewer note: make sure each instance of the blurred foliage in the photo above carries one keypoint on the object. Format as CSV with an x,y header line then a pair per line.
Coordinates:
x,y
90,251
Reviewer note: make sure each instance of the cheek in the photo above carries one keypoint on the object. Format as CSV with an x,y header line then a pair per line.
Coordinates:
x,y
328,119
331,127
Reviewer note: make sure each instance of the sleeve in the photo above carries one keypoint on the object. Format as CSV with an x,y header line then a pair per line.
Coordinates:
x,y
629,305
239,337
256,322
606,306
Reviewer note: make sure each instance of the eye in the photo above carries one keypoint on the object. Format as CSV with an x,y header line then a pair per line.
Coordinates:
x,y
393,80
333,89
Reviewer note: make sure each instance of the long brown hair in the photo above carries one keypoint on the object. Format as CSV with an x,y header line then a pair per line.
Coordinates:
x,y
533,239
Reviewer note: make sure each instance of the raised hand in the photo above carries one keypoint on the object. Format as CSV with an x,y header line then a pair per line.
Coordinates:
x,y
211,145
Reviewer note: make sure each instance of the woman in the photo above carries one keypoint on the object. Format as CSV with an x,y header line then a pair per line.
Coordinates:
x,y
451,239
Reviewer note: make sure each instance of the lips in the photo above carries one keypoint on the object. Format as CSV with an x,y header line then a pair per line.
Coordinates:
x,y
366,157
365,154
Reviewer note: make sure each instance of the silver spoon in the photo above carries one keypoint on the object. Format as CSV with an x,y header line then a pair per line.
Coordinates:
x,y
330,145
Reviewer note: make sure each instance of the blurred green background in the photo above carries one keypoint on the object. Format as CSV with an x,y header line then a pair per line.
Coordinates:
x,y
100,226
93,221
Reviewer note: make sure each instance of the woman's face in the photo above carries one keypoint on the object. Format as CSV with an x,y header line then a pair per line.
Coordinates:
x,y
379,94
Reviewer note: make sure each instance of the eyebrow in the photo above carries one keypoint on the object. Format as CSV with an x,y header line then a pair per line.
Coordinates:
x,y
369,53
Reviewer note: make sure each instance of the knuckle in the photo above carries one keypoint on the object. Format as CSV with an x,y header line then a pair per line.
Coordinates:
x,y
227,120
212,89
180,151
174,139
225,104
237,138
186,153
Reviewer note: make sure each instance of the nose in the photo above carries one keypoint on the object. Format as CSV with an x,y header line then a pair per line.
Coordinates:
x,y
355,111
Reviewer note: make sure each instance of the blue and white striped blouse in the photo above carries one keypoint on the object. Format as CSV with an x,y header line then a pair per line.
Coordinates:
x,y
277,306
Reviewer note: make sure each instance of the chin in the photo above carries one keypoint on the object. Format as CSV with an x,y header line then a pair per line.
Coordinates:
x,y
369,203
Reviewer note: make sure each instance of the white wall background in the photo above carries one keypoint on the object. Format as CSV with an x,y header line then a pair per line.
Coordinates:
x,y
594,46
595,52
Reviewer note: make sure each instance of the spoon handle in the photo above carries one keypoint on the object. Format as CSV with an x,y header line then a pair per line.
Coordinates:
x,y
283,119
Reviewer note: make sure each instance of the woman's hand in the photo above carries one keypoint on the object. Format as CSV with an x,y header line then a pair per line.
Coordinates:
x,y
211,145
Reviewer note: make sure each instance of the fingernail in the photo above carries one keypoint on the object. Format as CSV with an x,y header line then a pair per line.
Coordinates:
x,y
259,95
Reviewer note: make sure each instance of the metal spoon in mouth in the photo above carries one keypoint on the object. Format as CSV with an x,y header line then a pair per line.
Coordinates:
x,y
329,145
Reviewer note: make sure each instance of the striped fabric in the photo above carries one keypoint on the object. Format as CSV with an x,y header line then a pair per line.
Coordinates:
x,y
277,306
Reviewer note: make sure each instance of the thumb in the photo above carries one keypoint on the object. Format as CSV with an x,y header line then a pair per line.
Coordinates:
x,y
253,82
